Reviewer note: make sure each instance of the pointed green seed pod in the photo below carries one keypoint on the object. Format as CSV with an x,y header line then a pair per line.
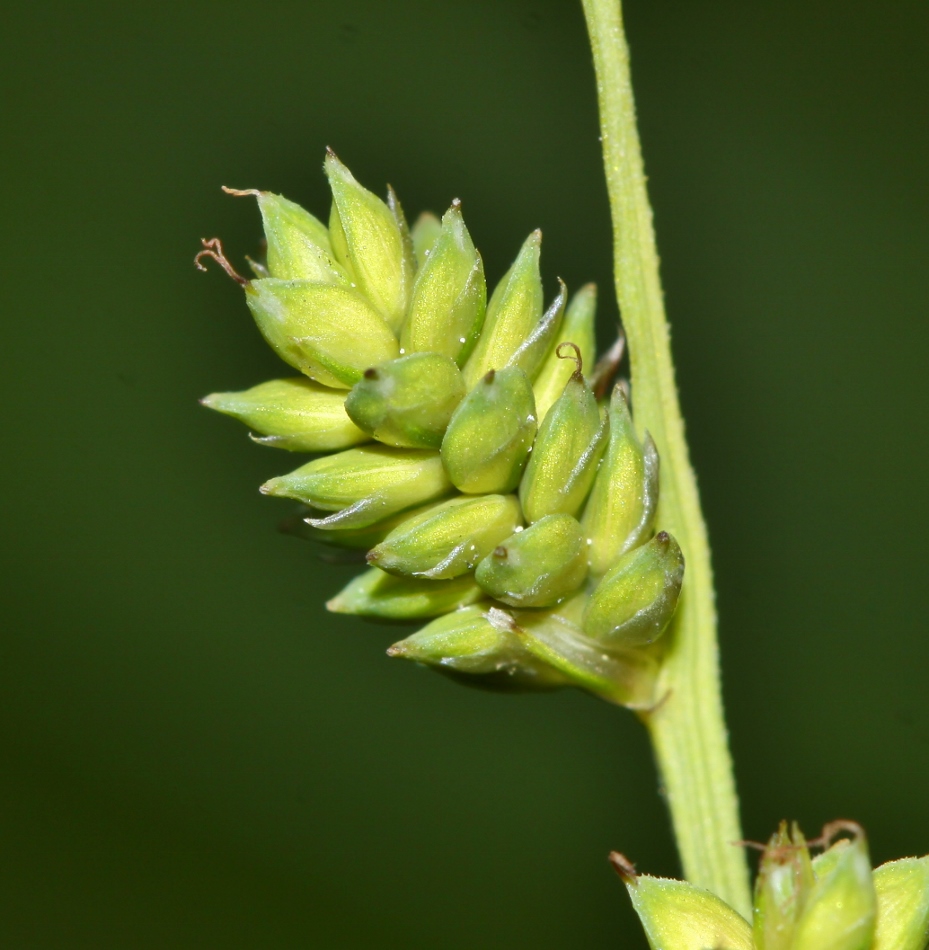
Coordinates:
x,y
681,916
376,594
537,567
554,637
531,353
365,485
295,414
635,600
330,333
577,328
424,235
409,401
622,503
902,905
368,243
841,909
566,453
449,539
465,642
513,311
490,434
298,243
785,880
449,296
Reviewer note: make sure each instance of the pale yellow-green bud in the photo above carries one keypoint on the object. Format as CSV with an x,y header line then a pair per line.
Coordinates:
x,y
376,594
448,539
635,600
622,503
490,434
902,905
536,567
577,328
464,643
449,296
409,401
463,640
681,916
841,909
565,455
514,309
364,485
298,243
295,414
367,241
330,333
785,880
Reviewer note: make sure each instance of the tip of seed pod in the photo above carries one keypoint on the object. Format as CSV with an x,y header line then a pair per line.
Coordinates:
x,y
456,204
500,552
268,487
373,556
334,164
623,867
208,401
242,192
370,373
621,391
489,376
535,237
662,537
398,649
335,606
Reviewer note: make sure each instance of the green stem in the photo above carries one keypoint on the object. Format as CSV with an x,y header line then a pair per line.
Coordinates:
x,y
687,727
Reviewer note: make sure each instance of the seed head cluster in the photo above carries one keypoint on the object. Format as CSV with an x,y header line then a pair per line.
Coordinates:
x,y
499,495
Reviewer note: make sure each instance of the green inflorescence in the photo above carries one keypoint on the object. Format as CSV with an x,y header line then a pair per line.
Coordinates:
x,y
498,493
830,902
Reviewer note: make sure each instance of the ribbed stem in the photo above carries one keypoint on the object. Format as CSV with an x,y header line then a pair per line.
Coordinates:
x,y
687,728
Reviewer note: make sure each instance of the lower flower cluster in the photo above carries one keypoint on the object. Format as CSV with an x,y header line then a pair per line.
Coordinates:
x,y
831,902
495,490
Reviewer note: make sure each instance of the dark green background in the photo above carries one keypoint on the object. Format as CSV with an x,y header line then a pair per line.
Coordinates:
x,y
193,753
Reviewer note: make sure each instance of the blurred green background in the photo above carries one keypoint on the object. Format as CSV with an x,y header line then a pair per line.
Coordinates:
x,y
193,753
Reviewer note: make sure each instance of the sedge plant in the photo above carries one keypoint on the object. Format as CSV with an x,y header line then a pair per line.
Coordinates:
x,y
535,517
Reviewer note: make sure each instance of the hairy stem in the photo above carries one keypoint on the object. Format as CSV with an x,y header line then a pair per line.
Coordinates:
x,y
687,728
